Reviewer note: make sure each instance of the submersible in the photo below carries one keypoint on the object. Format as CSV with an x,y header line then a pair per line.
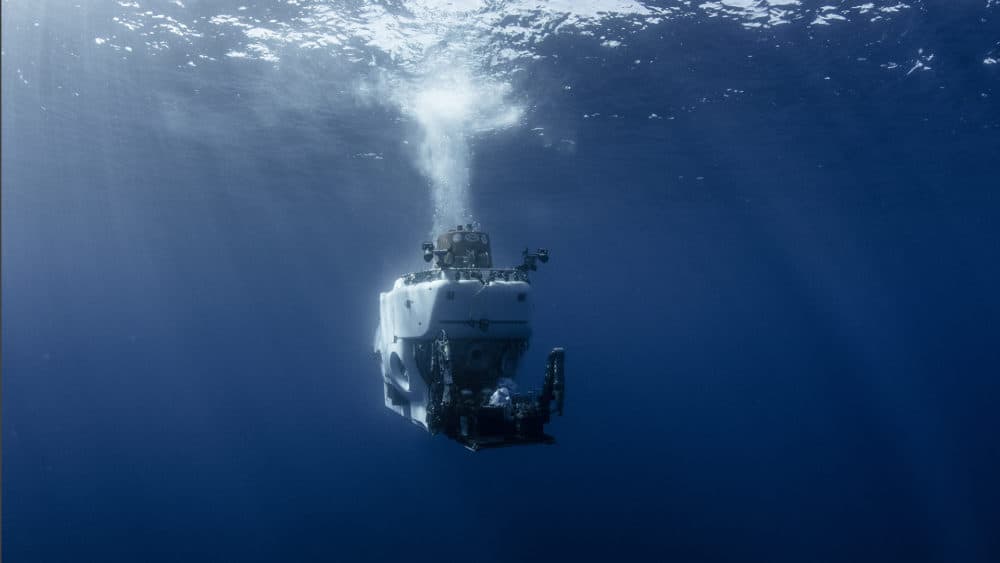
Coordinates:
x,y
450,341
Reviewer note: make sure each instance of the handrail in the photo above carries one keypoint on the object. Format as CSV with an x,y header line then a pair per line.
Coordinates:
x,y
483,275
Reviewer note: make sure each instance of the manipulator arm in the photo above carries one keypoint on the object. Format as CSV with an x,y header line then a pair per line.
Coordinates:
x,y
554,387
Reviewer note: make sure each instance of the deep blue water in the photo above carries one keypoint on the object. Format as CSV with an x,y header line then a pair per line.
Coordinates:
x,y
778,296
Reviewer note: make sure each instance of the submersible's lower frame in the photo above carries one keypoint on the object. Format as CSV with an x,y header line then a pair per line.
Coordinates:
x,y
463,414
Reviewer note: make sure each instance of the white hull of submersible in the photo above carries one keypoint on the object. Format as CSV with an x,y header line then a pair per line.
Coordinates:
x,y
464,309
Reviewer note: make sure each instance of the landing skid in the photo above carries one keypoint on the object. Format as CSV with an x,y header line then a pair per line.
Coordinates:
x,y
488,442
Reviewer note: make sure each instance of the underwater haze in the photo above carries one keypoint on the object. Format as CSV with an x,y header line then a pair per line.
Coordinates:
x,y
775,239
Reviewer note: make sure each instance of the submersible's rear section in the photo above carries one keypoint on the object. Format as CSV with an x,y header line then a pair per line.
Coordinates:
x,y
450,341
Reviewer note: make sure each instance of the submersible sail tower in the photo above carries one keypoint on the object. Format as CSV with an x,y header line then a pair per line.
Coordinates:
x,y
450,340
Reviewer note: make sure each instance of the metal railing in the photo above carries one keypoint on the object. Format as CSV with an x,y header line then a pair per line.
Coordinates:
x,y
483,275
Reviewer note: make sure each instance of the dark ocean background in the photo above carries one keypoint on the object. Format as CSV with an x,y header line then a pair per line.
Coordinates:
x,y
778,295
